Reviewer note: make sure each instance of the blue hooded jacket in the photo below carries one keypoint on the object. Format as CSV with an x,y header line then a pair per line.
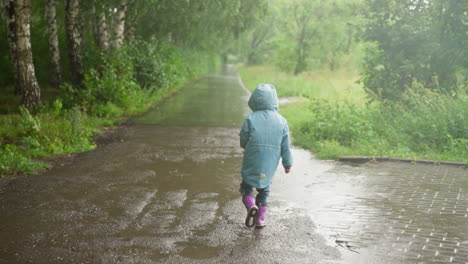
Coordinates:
x,y
265,138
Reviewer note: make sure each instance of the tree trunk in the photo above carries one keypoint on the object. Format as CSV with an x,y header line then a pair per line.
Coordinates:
x,y
131,18
9,13
129,31
51,14
74,40
94,23
349,33
18,18
301,64
103,33
119,24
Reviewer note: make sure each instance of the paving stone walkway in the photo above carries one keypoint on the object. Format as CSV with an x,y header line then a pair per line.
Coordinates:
x,y
397,210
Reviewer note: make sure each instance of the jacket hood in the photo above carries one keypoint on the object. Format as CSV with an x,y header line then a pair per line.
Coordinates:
x,y
264,97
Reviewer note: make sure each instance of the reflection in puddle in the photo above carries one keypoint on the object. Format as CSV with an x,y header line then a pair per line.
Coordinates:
x,y
383,212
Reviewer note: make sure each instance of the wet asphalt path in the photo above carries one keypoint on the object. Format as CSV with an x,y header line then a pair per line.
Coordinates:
x,y
165,191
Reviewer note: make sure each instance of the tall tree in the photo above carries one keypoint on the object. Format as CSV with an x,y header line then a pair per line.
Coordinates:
x,y
131,18
102,29
18,18
119,24
415,41
74,40
94,22
303,18
258,43
298,33
54,51
202,25
309,33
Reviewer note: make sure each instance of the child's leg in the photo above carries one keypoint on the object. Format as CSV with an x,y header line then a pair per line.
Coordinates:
x,y
262,197
249,203
245,189
262,201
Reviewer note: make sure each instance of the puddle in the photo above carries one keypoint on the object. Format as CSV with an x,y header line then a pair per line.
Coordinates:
x,y
382,212
198,251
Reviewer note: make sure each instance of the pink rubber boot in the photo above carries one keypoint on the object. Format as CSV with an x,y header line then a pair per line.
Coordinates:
x,y
252,210
260,221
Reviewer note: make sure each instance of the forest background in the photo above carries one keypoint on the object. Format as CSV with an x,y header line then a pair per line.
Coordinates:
x,y
368,77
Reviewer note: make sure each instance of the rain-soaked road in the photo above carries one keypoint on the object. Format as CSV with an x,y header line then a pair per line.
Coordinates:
x,y
165,191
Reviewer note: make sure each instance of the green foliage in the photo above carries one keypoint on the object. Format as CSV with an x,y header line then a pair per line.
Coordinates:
x,y
106,110
47,133
12,161
28,123
421,41
113,89
119,82
158,65
344,123
424,124
112,83
149,72
432,128
296,37
431,120
335,85
203,25
122,81
206,26
414,64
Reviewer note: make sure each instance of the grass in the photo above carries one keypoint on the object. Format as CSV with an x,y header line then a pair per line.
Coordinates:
x,y
53,130
334,119
337,86
116,85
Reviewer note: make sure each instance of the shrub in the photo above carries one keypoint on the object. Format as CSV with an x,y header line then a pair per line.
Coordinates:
x,y
13,160
428,126
124,82
344,123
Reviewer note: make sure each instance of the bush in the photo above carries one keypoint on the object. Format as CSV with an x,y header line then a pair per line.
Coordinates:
x,y
426,126
51,131
116,85
109,81
12,161
156,65
159,65
337,120
344,123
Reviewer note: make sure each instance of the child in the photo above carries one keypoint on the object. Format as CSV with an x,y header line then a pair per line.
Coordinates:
x,y
265,138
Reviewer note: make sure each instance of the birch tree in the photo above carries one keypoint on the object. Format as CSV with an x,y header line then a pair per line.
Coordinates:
x,y
100,25
74,40
54,51
18,18
119,24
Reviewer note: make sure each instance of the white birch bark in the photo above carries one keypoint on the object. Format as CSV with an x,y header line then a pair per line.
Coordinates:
x,y
119,24
18,16
54,51
129,31
94,24
74,40
9,15
103,32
